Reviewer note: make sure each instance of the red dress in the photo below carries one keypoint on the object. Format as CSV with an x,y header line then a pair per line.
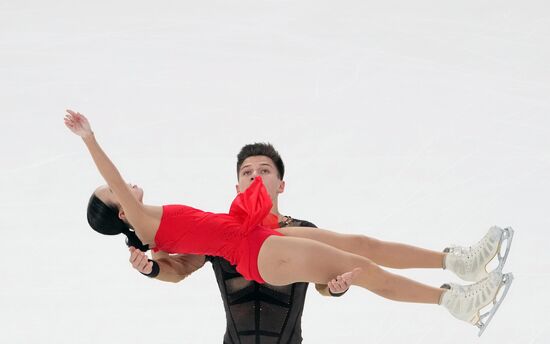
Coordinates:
x,y
237,236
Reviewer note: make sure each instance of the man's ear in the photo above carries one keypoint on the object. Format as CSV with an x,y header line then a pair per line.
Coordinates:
x,y
237,188
121,215
281,187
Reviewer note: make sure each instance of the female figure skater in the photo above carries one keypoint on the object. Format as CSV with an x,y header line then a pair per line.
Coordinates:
x,y
246,238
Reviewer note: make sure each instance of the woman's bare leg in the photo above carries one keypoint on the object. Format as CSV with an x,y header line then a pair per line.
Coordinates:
x,y
285,260
384,253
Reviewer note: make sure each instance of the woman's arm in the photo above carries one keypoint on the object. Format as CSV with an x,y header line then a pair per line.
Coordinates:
x,y
133,209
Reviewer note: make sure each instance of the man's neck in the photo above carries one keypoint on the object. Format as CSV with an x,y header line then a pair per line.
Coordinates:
x,y
275,210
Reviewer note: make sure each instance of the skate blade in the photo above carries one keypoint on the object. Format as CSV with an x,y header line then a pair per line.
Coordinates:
x,y
482,324
508,236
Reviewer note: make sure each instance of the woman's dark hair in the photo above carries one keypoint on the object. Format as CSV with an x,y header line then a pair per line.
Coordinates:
x,y
265,149
103,218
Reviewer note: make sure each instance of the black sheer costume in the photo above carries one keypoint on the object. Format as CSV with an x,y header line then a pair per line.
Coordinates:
x,y
260,313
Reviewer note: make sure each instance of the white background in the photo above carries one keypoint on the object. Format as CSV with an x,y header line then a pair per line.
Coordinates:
x,y
415,121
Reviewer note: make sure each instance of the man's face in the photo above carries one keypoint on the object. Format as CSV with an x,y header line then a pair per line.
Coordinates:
x,y
260,166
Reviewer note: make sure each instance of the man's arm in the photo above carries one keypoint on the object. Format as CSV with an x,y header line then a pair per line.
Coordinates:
x,y
172,268
322,289
336,287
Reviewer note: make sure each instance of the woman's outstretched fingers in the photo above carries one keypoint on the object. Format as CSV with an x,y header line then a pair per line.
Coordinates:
x,y
77,123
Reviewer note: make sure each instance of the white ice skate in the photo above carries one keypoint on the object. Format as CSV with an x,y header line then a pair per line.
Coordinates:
x,y
470,263
466,302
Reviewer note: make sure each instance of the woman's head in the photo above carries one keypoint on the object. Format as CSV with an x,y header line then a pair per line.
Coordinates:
x,y
103,218
105,214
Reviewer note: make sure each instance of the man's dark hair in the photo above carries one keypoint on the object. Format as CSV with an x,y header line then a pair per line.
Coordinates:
x,y
265,149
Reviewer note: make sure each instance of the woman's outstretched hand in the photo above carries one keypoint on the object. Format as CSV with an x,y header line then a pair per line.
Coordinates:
x,y
78,124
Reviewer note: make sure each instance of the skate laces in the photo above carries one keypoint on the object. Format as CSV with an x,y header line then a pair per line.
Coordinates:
x,y
469,252
472,290
464,254
459,250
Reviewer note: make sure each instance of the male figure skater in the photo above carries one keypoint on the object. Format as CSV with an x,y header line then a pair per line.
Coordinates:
x,y
255,313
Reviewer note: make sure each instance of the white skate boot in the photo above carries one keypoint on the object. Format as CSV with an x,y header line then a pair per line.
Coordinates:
x,y
469,263
466,302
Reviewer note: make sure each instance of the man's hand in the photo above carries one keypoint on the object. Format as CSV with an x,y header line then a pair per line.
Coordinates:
x,y
342,282
140,261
